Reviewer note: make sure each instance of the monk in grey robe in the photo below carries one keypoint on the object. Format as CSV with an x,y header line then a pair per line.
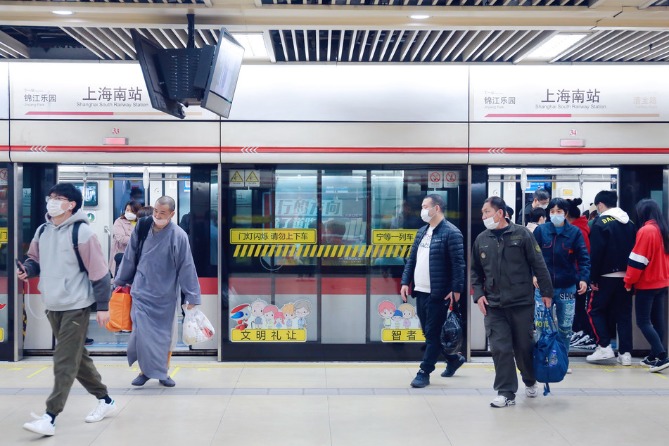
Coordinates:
x,y
165,265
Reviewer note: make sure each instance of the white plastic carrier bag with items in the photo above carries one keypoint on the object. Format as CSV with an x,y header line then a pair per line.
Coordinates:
x,y
196,326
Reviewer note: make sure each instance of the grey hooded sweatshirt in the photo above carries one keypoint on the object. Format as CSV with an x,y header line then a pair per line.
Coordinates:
x,y
62,284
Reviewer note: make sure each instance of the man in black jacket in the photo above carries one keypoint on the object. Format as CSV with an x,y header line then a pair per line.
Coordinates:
x,y
612,238
504,257
436,267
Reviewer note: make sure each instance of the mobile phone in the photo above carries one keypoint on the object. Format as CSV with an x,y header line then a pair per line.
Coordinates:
x,y
20,266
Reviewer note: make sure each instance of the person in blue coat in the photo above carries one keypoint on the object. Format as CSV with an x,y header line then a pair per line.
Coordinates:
x,y
568,262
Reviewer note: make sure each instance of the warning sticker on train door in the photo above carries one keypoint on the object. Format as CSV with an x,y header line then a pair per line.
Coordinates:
x,y
252,178
236,178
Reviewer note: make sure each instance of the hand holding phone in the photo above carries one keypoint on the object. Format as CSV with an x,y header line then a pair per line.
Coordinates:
x,y
22,273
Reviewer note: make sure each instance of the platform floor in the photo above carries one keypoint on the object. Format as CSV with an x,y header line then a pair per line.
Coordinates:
x,y
340,404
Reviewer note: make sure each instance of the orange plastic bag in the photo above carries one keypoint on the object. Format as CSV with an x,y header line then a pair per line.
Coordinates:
x,y
119,310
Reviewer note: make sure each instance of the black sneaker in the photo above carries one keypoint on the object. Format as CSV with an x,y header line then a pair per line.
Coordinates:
x,y
659,365
453,366
421,380
648,361
89,341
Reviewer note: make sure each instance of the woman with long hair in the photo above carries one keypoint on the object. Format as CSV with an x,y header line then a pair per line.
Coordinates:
x,y
123,227
648,273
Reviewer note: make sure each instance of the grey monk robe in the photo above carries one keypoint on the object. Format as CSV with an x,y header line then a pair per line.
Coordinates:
x,y
166,263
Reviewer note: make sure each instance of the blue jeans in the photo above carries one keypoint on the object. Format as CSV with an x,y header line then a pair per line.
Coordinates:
x,y
564,302
650,317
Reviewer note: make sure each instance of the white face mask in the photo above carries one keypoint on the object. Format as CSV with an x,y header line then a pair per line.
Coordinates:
x,y
160,222
130,216
53,208
490,223
425,215
544,206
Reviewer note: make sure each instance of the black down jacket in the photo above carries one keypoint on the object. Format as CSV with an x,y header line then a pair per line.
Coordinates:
x,y
447,260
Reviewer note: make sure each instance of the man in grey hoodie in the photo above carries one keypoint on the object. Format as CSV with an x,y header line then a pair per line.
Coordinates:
x,y
69,285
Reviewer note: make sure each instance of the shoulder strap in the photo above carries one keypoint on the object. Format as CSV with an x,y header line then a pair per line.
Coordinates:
x,y
42,227
75,245
143,228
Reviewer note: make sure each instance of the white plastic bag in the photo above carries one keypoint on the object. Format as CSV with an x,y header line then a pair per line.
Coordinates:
x,y
196,326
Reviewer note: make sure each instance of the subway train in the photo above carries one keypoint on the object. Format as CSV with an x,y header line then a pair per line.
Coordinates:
x,y
301,207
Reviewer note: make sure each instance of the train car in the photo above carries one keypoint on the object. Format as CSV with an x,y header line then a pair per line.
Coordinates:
x,y
302,207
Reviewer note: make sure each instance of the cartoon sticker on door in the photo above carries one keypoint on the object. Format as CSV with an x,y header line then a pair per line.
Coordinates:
x,y
260,321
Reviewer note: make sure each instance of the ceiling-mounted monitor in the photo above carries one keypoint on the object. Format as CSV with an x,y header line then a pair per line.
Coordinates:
x,y
223,76
147,53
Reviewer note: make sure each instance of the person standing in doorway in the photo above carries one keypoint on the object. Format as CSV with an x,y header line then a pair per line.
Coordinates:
x,y
165,265
436,268
648,273
611,241
71,279
540,199
504,257
568,263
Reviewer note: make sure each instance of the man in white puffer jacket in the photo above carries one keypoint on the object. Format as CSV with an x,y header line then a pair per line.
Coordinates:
x,y
69,285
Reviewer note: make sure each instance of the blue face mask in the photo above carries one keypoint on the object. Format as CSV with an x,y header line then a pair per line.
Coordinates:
x,y
557,219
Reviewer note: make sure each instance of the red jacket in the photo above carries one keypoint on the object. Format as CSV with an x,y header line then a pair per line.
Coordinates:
x,y
648,264
582,224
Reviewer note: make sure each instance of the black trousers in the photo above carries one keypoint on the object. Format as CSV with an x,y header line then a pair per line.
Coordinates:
x,y
432,315
510,333
612,298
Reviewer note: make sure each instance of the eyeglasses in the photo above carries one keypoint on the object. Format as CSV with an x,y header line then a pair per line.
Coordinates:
x,y
48,197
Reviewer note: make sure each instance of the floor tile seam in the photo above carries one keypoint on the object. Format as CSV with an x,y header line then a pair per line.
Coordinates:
x,y
441,426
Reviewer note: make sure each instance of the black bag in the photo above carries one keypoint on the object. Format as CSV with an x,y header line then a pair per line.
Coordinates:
x,y
451,332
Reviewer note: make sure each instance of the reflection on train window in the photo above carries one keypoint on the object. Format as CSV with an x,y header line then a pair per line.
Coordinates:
x,y
344,216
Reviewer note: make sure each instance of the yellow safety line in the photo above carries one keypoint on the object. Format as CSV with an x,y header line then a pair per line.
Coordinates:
x,y
237,249
38,372
176,370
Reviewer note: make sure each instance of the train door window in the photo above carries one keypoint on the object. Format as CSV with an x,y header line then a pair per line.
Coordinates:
x,y
5,267
396,199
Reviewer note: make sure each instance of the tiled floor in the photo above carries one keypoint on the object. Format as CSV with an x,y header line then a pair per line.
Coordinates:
x,y
341,404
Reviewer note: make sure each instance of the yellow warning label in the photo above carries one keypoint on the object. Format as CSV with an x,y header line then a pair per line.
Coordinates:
x,y
281,236
2,334
393,236
3,235
252,177
237,177
311,250
269,335
402,335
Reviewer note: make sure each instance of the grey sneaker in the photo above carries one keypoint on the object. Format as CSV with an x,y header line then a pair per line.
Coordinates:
x,y
502,401
41,425
140,380
167,382
421,380
532,391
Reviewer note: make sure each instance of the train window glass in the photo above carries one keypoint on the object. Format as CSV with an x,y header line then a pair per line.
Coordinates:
x,y
213,220
396,199
344,217
295,208
183,192
4,255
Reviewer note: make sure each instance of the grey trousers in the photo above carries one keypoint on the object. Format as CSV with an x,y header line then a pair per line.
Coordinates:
x,y
511,335
71,359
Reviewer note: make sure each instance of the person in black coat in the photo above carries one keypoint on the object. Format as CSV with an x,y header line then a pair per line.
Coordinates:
x,y
436,267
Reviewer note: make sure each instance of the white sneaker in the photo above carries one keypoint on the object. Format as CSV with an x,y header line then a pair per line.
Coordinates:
x,y
532,391
502,401
101,411
41,425
569,371
601,354
625,359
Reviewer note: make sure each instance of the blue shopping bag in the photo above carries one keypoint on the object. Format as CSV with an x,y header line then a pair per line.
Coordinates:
x,y
551,358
